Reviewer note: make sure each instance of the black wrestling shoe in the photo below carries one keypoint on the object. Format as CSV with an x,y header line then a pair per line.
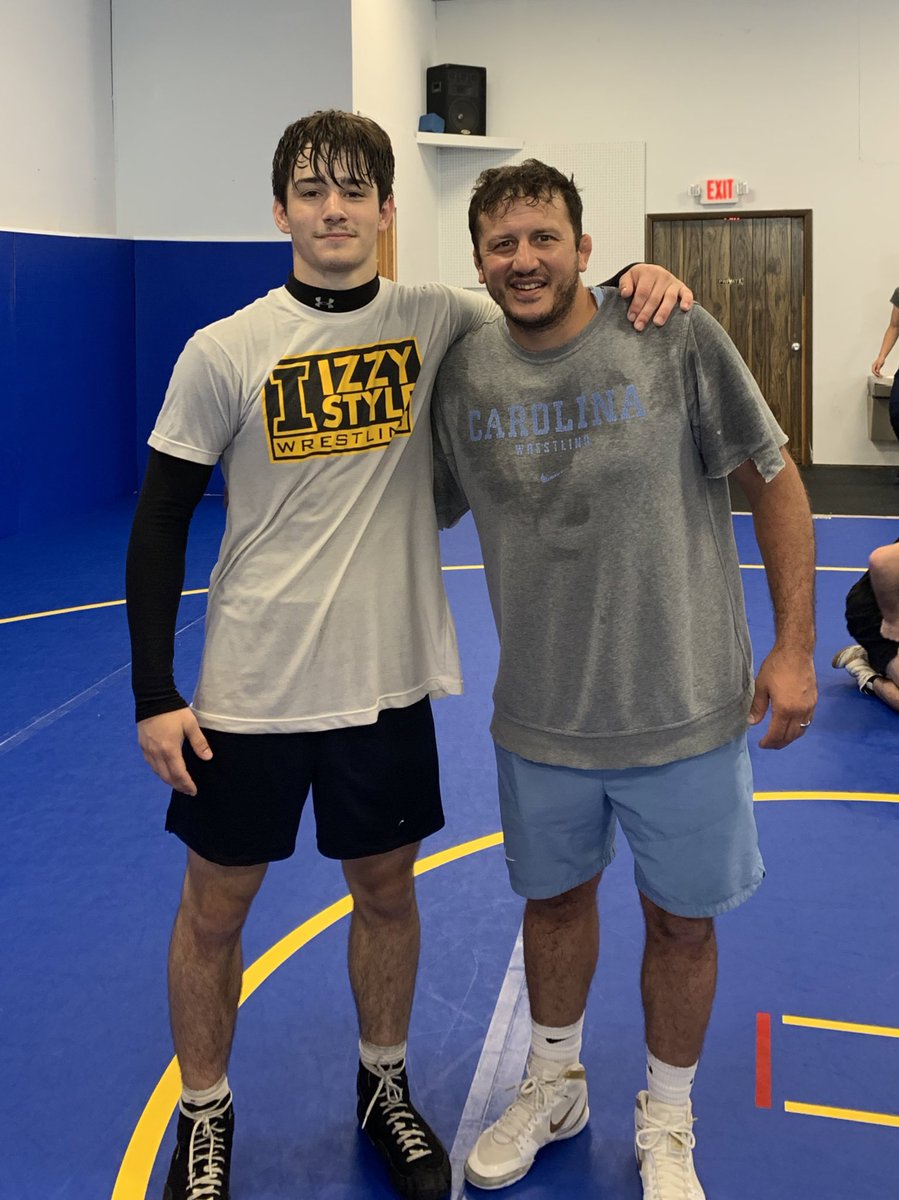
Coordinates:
x,y
201,1164
418,1164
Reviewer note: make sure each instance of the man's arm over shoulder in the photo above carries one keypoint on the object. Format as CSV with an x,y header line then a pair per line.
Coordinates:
x,y
654,293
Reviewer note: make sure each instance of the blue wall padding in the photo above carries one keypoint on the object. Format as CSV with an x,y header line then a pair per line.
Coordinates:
x,y
180,287
9,429
72,380
90,329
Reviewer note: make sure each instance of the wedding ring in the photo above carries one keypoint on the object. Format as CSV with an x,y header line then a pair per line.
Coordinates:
x,y
804,724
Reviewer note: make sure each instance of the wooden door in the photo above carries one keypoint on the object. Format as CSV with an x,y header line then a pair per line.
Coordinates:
x,y
752,273
387,251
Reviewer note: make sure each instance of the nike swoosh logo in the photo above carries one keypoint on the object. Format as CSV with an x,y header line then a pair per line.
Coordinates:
x,y
555,1126
547,478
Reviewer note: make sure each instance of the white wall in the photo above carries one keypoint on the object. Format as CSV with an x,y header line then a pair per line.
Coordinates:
x,y
393,45
56,161
796,97
203,91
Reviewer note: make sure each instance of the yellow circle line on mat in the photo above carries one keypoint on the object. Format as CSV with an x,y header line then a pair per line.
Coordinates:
x,y
134,1174
842,1114
858,797
823,1023
59,612
140,1155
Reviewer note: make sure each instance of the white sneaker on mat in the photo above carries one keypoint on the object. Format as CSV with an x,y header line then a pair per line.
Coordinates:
x,y
855,660
545,1110
664,1143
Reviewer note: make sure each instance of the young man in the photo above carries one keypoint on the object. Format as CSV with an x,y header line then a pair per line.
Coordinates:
x,y
872,617
327,628
596,469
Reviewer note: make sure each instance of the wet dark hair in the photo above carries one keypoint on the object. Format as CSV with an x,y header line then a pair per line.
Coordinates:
x,y
330,135
497,189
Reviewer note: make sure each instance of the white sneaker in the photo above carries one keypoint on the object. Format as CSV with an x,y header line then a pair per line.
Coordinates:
x,y
546,1110
855,660
664,1144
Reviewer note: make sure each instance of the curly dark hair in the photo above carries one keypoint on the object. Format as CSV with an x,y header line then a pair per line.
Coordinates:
x,y
329,135
497,189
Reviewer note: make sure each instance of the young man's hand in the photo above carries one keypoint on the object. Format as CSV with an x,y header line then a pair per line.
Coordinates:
x,y
654,293
161,738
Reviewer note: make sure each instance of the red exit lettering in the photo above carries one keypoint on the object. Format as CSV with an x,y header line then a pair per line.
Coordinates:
x,y
719,190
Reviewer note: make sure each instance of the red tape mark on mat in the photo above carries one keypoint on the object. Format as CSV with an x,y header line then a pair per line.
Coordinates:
x,y
763,1060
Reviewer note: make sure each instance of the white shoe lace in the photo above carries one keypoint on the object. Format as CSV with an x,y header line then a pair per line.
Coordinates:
x,y
400,1117
671,1147
206,1159
534,1097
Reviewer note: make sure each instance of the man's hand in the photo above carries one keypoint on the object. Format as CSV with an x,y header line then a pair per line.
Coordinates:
x,y
653,293
876,365
786,681
161,739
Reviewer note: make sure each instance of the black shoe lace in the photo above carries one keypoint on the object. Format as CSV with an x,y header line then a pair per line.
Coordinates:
x,y
206,1158
401,1118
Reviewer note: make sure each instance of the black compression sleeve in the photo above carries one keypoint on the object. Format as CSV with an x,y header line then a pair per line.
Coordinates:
x,y
154,577
615,281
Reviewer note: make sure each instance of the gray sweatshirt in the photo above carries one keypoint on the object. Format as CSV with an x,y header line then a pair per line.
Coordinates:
x,y
597,477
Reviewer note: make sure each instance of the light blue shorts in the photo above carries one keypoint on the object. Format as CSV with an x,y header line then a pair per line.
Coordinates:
x,y
690,826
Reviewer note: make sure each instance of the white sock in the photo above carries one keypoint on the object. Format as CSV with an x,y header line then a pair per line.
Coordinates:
x,y
553,1048
205,1097
381,1056
667,1084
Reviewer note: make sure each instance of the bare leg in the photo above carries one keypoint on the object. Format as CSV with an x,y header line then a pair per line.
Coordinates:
x,y
680,968
561,947
205,965
884,567
384,942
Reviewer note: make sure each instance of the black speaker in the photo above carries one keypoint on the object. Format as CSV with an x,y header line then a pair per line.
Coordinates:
x,y
459,95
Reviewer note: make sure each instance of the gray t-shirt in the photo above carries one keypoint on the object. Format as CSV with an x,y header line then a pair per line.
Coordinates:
x,y
894,299
597,477
326,604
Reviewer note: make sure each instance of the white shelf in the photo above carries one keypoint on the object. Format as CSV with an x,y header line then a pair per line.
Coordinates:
x,y
464,141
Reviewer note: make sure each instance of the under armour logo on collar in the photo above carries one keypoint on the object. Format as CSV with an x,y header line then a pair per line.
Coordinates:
x,y
321,302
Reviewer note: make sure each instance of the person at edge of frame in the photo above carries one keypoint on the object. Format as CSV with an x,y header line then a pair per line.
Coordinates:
x,y
596,468
327,631
891,333
872,618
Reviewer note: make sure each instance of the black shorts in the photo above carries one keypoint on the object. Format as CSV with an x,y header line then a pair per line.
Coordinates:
x,y
374,788
863,617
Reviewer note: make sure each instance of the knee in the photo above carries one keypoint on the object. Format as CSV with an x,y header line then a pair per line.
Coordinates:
x,y
884,561
687,933
385,897
567,907
215,909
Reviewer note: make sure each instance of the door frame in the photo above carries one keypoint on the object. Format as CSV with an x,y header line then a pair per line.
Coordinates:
x,y
805,333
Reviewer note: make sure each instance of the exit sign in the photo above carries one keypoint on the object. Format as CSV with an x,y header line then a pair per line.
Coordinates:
x,y
718,191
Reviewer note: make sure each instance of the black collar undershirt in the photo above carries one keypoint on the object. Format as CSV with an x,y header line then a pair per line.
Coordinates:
x,y
324,300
